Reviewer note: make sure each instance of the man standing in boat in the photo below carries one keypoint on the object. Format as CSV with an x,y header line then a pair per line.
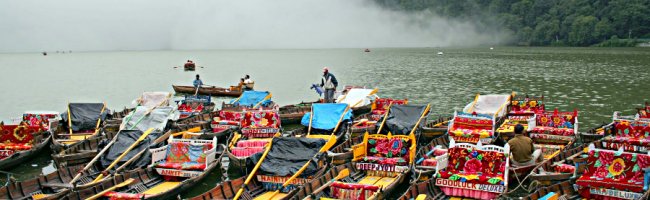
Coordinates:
x,y
329,83
523,152
198,82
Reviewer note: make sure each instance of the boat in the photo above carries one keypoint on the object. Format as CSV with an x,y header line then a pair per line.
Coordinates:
x,y
233,91
287,164
142,118
20,142
566,165
561,190
189,66
399,120
359,99
423,191
257,130
81,121
628,132
428,157
479,119
118,156
484,167
367,122
251,100
168,175
292,114
326,119
195,105
366,50
614,174
434,128
374,173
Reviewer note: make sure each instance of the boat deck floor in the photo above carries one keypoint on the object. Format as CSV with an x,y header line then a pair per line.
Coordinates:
x,y
160,188
267,196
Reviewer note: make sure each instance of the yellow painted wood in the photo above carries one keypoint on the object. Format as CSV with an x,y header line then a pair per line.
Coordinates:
x,y
325,198
160,188
385,181
268,196
39,196
325,137
421,197
369,180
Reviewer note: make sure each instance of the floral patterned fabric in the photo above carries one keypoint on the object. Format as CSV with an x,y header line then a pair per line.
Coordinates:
x,y
631,133
112,195
393,151
607,169
475,166
380,106
185,156
261,119
557,119
17,134
472,127
352,191
527,105
38,120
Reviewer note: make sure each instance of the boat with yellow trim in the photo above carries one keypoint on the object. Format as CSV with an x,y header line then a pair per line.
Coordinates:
x,y
81,121
258,129
287,164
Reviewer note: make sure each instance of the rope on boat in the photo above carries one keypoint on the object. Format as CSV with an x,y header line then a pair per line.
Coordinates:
x,y
521,182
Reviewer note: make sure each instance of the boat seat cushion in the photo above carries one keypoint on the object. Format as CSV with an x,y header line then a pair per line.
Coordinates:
x,y
230,115
472,127
185,156
341,190
261,119
526,106
475,166
15,147
557,119
245,151
612,170
388,151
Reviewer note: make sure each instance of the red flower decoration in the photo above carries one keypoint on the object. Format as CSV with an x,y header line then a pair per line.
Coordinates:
x,y
472,166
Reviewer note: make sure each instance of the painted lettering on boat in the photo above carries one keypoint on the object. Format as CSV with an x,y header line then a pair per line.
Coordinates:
x,y
259,130
615,193
280,179
381,167
471,186
179,173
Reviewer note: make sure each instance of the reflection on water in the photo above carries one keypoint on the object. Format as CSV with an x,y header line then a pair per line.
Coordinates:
x,y
596,81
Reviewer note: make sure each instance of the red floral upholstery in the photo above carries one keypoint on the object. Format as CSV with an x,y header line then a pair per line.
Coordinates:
x,y
474,166
554,127
380,106
393,151
261,119
112,195
636,133
197,107
352,191
609,170
466,127
527,105
185,156
38,120
557,119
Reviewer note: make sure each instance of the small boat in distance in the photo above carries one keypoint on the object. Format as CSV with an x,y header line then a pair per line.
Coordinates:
x,y
366,50
440,53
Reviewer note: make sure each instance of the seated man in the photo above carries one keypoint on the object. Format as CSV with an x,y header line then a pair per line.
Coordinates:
x,y
522,150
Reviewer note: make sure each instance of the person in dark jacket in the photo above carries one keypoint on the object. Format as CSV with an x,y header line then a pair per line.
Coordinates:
x,y
329,83
522,150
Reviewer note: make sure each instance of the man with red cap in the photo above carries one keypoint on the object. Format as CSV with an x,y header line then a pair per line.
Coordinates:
x,y
329,83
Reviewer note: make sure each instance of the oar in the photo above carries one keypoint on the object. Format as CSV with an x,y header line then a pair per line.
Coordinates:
x,y
426,110
69,120
342,174
142,137
99,120
311,117
252,173
122,184
197,90
327,146
383,121
265,98
92,162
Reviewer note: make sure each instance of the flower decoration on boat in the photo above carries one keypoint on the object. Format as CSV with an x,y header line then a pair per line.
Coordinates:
x,y
544,119
617,167
515,103
472,166
533,103
264,122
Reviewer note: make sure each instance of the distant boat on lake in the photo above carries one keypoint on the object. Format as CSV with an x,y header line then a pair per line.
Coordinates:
x,y
366,50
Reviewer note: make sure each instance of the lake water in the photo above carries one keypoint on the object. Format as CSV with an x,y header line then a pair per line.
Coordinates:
x,y
596,81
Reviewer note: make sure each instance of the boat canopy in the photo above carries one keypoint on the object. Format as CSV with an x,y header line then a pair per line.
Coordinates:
x,y
84,115
288,155
252,98
141,119
125,138
355,95
402,119
326,115
153,99
489,104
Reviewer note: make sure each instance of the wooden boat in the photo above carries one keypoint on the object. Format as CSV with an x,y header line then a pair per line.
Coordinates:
x,y
423,191
21,142
195,105
189,66
426,162
378,107
292,114
566,165
627,132
479,119
372,175
258,129
483,166
162,180
81,121
561,190
434,128
233,91
286,165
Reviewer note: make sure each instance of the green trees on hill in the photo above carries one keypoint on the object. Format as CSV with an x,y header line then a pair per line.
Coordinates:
x,y
544,22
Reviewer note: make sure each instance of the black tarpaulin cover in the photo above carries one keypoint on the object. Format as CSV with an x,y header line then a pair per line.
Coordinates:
x,y
402,118
126,138
84,115
288,155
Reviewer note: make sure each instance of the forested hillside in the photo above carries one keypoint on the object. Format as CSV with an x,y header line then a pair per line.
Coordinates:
x,y
546,22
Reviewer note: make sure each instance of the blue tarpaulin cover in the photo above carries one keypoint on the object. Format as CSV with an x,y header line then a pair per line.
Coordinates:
x,y
326,115
252,98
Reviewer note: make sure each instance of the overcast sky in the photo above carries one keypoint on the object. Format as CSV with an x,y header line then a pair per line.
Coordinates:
x,y
102,25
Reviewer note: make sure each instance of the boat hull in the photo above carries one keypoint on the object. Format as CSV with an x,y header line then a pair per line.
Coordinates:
x,y
212,91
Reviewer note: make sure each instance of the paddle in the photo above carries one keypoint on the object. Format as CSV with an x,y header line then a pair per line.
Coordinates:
x,y
426,110
197,90
252,173
327,146
383,121
265,98
99,120
142,137
122,184
342,174
69,120
92,162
